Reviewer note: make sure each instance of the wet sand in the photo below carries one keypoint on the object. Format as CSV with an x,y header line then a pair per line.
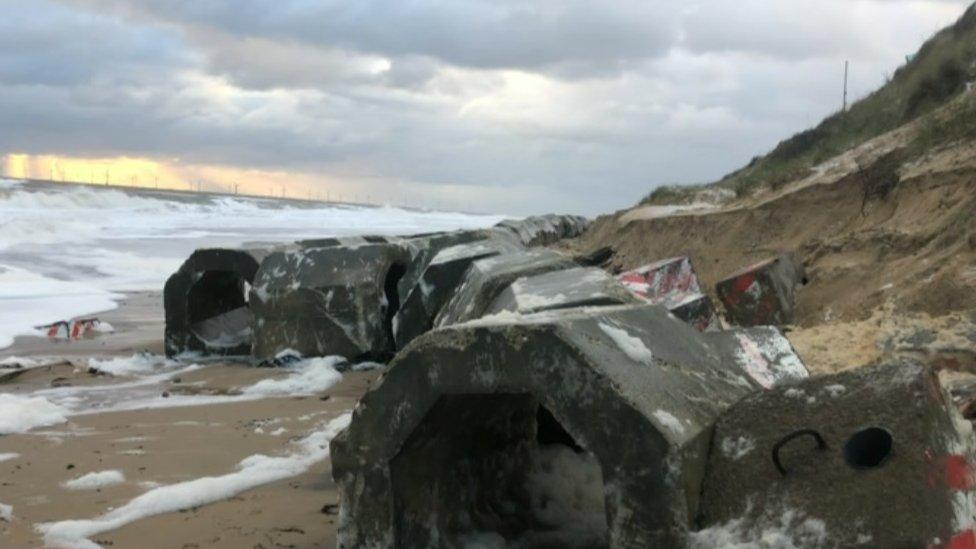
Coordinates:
x,y
165,446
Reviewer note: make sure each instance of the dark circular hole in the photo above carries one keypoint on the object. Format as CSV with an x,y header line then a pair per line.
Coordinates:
x,y
868,448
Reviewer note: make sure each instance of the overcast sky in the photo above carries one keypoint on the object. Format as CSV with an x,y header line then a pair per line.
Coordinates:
x,y
516,106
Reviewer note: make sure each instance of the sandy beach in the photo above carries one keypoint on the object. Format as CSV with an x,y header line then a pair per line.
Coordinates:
x,y
138,453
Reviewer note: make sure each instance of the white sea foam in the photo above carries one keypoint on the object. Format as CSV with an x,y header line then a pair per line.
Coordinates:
x,y
66,251
94,481
307,377
251,472
8,456
19,414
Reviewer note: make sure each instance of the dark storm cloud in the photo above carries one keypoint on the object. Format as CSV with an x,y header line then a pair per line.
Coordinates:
x,y
521,106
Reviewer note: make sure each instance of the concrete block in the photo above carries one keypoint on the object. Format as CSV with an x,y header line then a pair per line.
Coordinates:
x,y
763,294
763,352
438,283
663,282
455,444
577,287
697,310
872,457
673,284
546,229
336,300
486,278
206,303
423,249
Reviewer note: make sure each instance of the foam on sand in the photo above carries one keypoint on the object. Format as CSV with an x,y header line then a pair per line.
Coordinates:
x,y
308,377
251,472
94,481
19,414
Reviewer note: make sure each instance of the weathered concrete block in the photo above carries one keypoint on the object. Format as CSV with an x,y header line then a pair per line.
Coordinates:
x,y
764,293
451,445
328,301
673,284
486,278
577,287
206,303
546,229
763,352
438,283
423,249
665,281
870,457
697,310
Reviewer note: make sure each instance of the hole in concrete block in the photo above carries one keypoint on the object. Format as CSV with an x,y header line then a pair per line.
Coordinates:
x,y
475,472
868,448
217,310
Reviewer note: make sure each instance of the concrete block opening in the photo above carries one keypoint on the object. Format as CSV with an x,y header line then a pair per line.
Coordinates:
x,y
868,448
217,309
496,470
207,304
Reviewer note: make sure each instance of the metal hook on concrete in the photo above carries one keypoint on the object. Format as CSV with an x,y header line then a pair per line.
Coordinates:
x,y
821,445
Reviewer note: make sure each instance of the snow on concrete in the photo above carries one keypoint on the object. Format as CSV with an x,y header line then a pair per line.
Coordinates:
x,y
19,414
251,472
632,346
94,481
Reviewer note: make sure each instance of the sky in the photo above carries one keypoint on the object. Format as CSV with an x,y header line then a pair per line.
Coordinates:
x,y
503,106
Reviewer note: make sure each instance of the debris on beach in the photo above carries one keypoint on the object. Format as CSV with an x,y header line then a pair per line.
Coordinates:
x,y
73,330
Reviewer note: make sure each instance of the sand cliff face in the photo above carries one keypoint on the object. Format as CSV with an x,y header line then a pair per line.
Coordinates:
x,y
886,230
885,223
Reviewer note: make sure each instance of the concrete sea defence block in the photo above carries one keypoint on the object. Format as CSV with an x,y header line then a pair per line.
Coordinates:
x,y
763,294
336,300
763,352
423,249
546,229
452,444
664,281
577,287
486,278
206,302
438,283
870,457
673,284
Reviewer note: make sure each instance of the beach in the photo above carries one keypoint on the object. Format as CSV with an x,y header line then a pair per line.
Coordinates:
x,y
151,445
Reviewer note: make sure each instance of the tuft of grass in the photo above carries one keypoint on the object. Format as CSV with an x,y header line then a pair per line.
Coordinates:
x,y
669,194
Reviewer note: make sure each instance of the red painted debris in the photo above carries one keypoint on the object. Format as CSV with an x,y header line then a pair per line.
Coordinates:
x,y
963,540
763,293
673,284
668,280
74,329
952,471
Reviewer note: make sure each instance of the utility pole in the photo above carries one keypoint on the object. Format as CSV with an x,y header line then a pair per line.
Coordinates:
x,y
847,65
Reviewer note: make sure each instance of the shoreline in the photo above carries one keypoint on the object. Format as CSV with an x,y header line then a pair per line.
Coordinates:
x,y
181,447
